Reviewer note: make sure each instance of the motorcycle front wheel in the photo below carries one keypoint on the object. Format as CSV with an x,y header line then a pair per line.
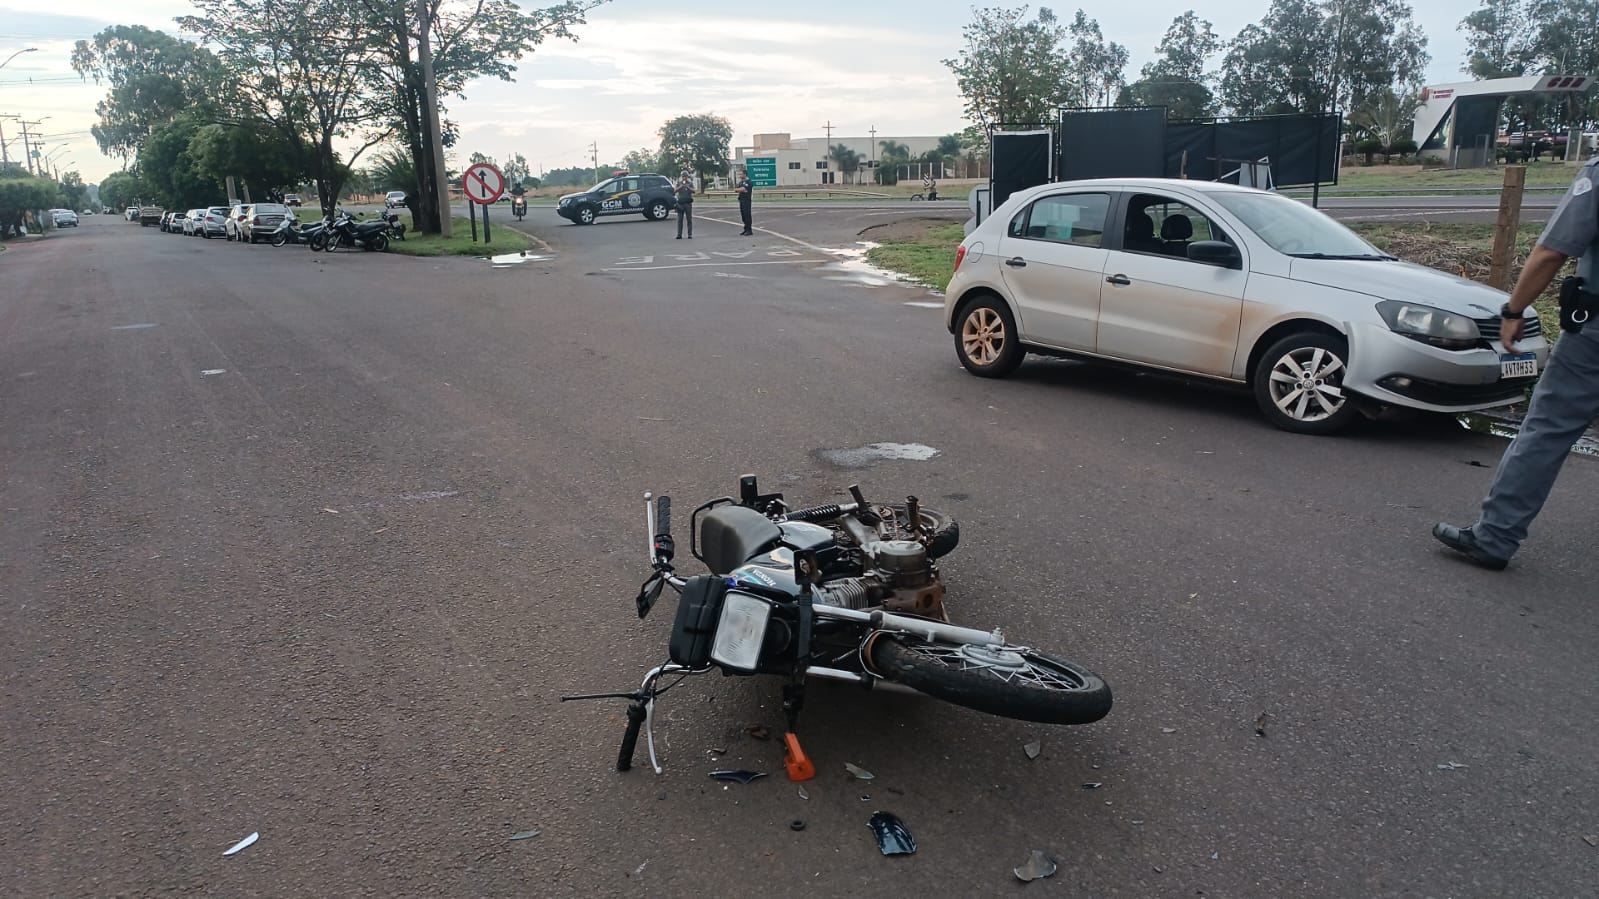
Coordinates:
x,y
332,243
317,243
1010,682
280,239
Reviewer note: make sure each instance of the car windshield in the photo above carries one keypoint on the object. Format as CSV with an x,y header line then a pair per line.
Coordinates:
x,y
1292,228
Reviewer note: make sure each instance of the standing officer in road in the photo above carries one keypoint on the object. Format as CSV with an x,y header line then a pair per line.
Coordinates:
x,y
685,205
1566,399
746,192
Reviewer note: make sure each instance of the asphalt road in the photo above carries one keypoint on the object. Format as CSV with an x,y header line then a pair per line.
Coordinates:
x,y
309,546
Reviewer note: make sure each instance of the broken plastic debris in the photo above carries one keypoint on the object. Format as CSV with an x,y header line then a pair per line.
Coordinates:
x,y
803,794
1033,749
247,841
715,750
893,838
1168,730
525,835
1260,724
1038,866
758,731
859,772
213,371
1451,766
742,777
1092,786
1592,840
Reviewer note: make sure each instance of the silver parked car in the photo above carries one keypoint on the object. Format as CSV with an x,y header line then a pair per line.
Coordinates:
x,y
191,222
1234,284
260,220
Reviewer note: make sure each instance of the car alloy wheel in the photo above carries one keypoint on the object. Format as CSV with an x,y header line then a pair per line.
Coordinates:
x,y
986,340
1299,384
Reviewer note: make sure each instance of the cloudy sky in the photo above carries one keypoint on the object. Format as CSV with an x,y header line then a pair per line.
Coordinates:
x,y
791,68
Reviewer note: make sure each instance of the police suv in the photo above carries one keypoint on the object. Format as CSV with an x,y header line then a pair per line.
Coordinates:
x,y
647,195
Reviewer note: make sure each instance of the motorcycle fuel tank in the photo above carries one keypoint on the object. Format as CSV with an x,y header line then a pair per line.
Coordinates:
x,y
775,570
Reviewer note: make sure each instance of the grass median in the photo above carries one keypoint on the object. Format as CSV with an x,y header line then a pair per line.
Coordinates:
x,y
505,239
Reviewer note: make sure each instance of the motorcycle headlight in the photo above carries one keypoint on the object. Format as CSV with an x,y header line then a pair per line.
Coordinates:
x,y
741,631
1430,325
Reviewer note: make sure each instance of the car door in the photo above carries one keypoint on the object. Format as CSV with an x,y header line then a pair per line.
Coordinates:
x,y
621,195
1052,258
1158,306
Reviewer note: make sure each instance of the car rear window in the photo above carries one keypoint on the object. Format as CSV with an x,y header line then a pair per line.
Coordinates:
x,y
271,209
219,210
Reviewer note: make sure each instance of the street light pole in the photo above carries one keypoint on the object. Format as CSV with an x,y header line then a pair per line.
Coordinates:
x,y
16,54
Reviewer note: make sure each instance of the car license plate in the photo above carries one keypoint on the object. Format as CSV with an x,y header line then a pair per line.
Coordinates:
x,y
1521,365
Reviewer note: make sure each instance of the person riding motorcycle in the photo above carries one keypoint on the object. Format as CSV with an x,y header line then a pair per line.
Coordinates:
x,y
518,202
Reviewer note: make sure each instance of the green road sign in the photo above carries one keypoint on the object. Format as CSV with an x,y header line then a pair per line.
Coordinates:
x,y
762,170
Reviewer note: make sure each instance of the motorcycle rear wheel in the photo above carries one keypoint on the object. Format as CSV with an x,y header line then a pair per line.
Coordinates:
x,y
378,244
318,242
279,240
943,531
1013,683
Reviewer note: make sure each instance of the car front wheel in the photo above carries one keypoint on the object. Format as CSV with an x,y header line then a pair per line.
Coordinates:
x,y
585,216
1299,384
986,339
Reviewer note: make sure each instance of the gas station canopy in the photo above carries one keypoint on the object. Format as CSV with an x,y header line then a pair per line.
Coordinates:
x,y
1457,123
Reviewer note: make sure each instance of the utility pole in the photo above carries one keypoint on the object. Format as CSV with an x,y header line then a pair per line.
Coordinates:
x,y
873,132
430,120
594,156
829,129
5,158
27,148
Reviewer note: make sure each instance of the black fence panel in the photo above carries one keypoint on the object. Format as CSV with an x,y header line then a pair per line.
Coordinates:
x,y
1117,142
1019,160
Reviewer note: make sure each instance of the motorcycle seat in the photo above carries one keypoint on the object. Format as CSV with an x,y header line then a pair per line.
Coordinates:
x,y
732,535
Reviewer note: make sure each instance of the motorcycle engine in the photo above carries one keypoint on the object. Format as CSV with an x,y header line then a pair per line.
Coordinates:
x,y
908,577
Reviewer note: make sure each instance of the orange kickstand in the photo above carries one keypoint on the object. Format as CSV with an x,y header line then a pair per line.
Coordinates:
x,y
799,765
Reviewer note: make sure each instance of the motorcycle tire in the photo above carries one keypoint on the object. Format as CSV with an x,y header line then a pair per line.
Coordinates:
x,y
1012,683
280,240
332,243
317,243
944,532
378,244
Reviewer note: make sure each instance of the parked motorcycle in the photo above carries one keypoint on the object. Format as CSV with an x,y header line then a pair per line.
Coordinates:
x,y
291,231
347,231
845,592
396,227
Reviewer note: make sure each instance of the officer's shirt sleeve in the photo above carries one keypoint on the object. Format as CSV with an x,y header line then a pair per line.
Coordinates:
x,y
1575,224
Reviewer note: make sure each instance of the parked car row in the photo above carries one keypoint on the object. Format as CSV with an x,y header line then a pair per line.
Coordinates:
x,y
242,222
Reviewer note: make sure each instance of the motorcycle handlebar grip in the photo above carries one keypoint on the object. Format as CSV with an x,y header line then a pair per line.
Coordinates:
x,y
635,721
663,514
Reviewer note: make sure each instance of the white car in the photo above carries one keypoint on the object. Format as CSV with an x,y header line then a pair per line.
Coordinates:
x,y
64,218
1232,284
393,199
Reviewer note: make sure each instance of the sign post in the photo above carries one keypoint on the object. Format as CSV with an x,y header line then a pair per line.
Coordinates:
x,y
761,170
483,183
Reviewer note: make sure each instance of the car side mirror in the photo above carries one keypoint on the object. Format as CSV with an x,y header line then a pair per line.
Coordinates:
x,y
1215,252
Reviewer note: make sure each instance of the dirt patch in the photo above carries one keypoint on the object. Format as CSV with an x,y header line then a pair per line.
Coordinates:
x,y
907,229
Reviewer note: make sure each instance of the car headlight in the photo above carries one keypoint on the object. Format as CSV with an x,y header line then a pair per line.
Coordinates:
x,y
565,201
1430,325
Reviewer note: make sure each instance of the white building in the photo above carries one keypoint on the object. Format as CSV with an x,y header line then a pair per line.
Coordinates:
x,y
805,161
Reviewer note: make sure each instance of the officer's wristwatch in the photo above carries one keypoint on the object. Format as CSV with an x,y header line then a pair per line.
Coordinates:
x,y
1506,312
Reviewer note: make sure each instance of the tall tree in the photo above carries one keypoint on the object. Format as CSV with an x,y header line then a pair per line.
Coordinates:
x,y
251,151
1012,70
304,69
641,160
697,144
1499,39
516,169
1097,65
468,39
1176,78
1319,55
153,77
73,191
170,170
1566,40
120,189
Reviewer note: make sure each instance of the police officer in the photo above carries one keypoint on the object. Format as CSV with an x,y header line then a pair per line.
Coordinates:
x,y
1566,399
746,192
684,195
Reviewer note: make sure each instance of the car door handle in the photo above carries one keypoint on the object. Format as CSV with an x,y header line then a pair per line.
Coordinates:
x,y
1016,262
1118,280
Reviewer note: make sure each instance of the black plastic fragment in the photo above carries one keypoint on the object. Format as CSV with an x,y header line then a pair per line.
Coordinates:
x,y
893,838
742,777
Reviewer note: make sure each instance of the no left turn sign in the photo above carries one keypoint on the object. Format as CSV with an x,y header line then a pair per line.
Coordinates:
x,y
483,183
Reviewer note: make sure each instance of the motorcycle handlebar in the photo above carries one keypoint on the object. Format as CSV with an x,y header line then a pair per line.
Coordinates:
x,y
663,515
636,711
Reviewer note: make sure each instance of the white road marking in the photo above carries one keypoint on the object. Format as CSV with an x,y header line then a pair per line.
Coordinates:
x,y
132,327
652,268
213,371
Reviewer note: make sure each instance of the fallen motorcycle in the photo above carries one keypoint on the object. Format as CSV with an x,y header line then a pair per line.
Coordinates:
x,y
844,592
